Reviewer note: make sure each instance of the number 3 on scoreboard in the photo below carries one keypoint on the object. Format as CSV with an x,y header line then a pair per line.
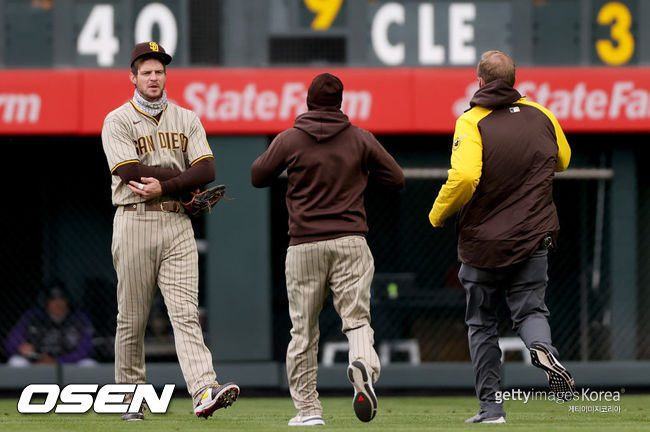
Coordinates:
x,y
97,36
619,51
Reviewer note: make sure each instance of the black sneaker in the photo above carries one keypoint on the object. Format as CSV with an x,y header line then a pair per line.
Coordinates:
x,y
134,416
560,380
483,417
365,401
219,396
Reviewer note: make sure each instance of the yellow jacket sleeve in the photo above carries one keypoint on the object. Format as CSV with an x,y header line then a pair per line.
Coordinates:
x,y
563,150
466,166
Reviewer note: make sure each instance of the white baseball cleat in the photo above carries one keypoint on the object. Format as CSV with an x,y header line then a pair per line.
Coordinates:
x,y
314,420
220,396
365,400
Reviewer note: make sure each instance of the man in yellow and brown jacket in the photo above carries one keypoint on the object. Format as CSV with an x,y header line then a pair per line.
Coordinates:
x,y
505,152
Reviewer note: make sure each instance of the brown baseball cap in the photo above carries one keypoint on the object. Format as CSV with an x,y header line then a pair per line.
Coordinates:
x,y
150,49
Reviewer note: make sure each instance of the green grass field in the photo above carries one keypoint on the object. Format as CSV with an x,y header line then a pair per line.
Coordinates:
x,y
395,413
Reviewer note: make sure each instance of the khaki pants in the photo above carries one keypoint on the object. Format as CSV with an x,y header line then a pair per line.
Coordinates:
x,y
345,267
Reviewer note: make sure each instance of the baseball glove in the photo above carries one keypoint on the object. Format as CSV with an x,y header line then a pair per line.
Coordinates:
x,y
202,202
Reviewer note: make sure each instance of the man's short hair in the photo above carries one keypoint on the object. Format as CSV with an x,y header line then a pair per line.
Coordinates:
x,y
496,65
136,64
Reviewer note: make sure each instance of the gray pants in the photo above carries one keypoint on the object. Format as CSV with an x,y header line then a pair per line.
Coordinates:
x,y
524,287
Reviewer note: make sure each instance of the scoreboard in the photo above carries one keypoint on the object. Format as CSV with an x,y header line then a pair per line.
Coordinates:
x,y
244,66
86,33
360,33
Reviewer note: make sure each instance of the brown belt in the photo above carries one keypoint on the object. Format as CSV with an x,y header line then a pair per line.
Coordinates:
x,y
163,206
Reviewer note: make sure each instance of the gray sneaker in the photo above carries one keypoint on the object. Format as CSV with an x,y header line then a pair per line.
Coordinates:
x,y
483,417
560,380
134,416
365,400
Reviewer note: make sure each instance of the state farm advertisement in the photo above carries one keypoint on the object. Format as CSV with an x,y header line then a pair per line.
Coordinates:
x,y
266,101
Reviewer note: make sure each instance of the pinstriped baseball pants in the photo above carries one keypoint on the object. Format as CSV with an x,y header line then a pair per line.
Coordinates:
x,y
156,249
345,267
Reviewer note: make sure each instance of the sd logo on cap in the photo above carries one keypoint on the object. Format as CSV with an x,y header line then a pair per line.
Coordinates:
x,y
150,49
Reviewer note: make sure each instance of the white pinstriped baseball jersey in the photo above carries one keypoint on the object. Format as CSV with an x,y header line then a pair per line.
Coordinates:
x,y
129,135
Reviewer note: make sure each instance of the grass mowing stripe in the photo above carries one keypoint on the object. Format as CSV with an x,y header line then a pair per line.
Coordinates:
x,y
394,414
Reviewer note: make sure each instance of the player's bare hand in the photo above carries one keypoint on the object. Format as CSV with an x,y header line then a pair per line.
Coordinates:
x,y
147,187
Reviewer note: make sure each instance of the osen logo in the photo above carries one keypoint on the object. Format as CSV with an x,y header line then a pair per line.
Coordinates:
x,y
80,398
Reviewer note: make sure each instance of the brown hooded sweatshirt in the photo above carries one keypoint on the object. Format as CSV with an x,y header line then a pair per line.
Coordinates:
x,y
328,163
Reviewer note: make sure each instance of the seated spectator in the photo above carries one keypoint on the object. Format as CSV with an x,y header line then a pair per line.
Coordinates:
x,y
54,334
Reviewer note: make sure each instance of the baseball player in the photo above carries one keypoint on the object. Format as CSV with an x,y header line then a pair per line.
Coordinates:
x,y
157,150
328,162
504,154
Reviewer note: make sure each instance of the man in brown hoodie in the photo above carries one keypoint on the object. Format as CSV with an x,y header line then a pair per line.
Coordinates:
x,y
328,163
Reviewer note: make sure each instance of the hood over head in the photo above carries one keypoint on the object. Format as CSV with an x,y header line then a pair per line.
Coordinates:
x,y
495,94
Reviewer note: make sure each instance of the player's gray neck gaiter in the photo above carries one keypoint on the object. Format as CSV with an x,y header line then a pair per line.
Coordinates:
x,y
151,108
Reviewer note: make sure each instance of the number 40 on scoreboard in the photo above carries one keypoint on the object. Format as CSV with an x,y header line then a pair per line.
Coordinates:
x,y
97,36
